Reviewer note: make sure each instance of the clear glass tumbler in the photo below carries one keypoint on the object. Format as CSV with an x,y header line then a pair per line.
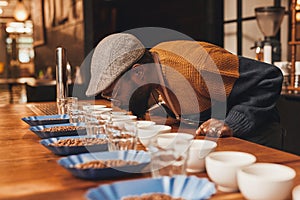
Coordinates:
x,y
122,134
95,122
169,152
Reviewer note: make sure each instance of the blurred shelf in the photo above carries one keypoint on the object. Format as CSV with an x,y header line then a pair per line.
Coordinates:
x,y
294,43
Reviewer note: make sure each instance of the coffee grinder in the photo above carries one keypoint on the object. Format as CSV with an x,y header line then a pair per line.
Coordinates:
x,y
269,20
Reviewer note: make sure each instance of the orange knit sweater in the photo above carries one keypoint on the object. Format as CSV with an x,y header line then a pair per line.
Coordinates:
x,y
197,73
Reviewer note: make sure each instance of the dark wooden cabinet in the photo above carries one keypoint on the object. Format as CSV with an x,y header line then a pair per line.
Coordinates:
x,y
198,19
289,109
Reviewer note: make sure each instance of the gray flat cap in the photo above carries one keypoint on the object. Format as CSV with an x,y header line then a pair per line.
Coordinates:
x,y
113,56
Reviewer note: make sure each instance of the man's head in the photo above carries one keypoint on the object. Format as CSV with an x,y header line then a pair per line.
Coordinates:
x,y
113,56
121,69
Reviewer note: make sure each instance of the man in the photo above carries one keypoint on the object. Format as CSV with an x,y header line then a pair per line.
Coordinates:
x,y
198,81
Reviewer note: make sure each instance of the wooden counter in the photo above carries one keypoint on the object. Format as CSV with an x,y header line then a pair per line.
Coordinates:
x,y
30,171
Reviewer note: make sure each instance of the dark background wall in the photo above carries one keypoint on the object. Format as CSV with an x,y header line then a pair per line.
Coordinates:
x,y
69,36
89,21
199,19
80,27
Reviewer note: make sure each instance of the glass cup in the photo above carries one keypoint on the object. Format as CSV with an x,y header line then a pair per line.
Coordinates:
x,y
122,134
95,122
62,106
169,154
77,112
72,102
72,109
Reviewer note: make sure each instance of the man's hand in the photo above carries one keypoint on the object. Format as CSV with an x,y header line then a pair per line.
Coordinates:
x,y
214,128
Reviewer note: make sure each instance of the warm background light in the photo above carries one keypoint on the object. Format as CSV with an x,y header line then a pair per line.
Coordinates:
x,y
20,13
297,5
297,8
298,16
3,3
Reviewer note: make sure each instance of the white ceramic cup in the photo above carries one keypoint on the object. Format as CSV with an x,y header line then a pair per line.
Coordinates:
x,y
145,124
222,167
266,181
296,193
145,134
199,149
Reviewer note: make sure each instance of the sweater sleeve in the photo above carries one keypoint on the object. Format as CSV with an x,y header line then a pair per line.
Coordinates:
x,y
252,100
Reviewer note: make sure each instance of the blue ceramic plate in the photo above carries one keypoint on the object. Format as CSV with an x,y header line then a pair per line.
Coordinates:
x,y
46,119
143,158
187,187
43,133
72,150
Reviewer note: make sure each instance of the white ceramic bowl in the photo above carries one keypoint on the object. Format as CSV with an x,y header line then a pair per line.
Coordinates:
x,y
199,149
117,113
147,133
96,107
161,128
169,139
102,109
296,193
123,117
222,167
266,181
145,123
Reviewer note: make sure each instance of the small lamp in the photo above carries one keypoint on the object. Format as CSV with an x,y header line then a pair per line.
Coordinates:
x,y
20,12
